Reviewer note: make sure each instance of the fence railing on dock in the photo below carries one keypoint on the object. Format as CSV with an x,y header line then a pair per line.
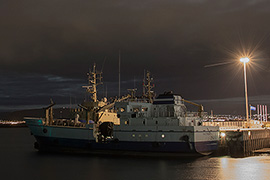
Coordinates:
x,y
225,124
234,124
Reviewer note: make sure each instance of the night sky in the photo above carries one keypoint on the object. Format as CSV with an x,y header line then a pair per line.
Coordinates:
x,y
47,47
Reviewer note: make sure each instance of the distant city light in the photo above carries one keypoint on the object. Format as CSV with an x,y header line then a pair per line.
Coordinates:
x,y
244,59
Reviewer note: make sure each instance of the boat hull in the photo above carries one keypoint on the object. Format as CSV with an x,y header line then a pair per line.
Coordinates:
x,y
75,139
127,148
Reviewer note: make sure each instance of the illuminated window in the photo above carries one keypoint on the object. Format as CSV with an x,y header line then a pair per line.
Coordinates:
x,y
122,109
144,109
136,110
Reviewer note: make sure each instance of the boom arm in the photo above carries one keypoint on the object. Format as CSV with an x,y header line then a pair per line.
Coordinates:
x,y
200,110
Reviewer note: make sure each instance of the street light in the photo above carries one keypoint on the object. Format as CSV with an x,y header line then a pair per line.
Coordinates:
x,y
245,60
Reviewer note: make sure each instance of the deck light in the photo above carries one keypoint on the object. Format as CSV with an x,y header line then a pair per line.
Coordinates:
x,y
222,134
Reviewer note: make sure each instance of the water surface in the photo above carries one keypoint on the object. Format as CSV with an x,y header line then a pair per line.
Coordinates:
x,y
19,160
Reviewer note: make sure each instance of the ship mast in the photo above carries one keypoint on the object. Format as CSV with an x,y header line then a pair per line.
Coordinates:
x,y
144,83
94,79
119,77
148,86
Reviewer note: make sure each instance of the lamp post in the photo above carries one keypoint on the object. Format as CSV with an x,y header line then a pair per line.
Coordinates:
x,y
245,60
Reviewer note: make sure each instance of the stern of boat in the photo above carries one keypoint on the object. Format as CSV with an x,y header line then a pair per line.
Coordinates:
x,y
206,139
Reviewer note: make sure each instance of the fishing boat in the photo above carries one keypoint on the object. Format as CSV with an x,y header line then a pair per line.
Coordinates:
x,y
130,125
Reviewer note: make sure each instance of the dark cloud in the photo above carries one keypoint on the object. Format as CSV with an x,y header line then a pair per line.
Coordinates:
x,y
35,89
59,40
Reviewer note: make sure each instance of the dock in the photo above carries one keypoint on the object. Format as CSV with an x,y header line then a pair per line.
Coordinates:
x,y
243,142
262,151
237,139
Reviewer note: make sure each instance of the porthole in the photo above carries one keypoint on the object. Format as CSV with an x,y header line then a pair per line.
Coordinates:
x,y
45,130
163,136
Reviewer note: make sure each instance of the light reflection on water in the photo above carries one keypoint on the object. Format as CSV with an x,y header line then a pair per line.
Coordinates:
x,y
18,155
256,167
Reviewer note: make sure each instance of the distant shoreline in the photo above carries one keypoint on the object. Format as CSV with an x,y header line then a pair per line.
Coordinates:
x,y
13,125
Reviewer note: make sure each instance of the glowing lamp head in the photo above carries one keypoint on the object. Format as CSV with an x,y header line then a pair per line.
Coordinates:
x,y
222,134
244,59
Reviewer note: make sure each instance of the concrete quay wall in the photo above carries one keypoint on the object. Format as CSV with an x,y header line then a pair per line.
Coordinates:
x,y
243,142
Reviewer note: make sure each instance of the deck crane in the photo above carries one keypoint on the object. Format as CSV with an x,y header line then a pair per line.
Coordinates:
x,y
200,109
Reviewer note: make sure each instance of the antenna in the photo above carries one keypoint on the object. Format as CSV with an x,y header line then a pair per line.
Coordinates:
x,y
119,91
103,90
103,63
70,102
134,83
106,92
144,83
